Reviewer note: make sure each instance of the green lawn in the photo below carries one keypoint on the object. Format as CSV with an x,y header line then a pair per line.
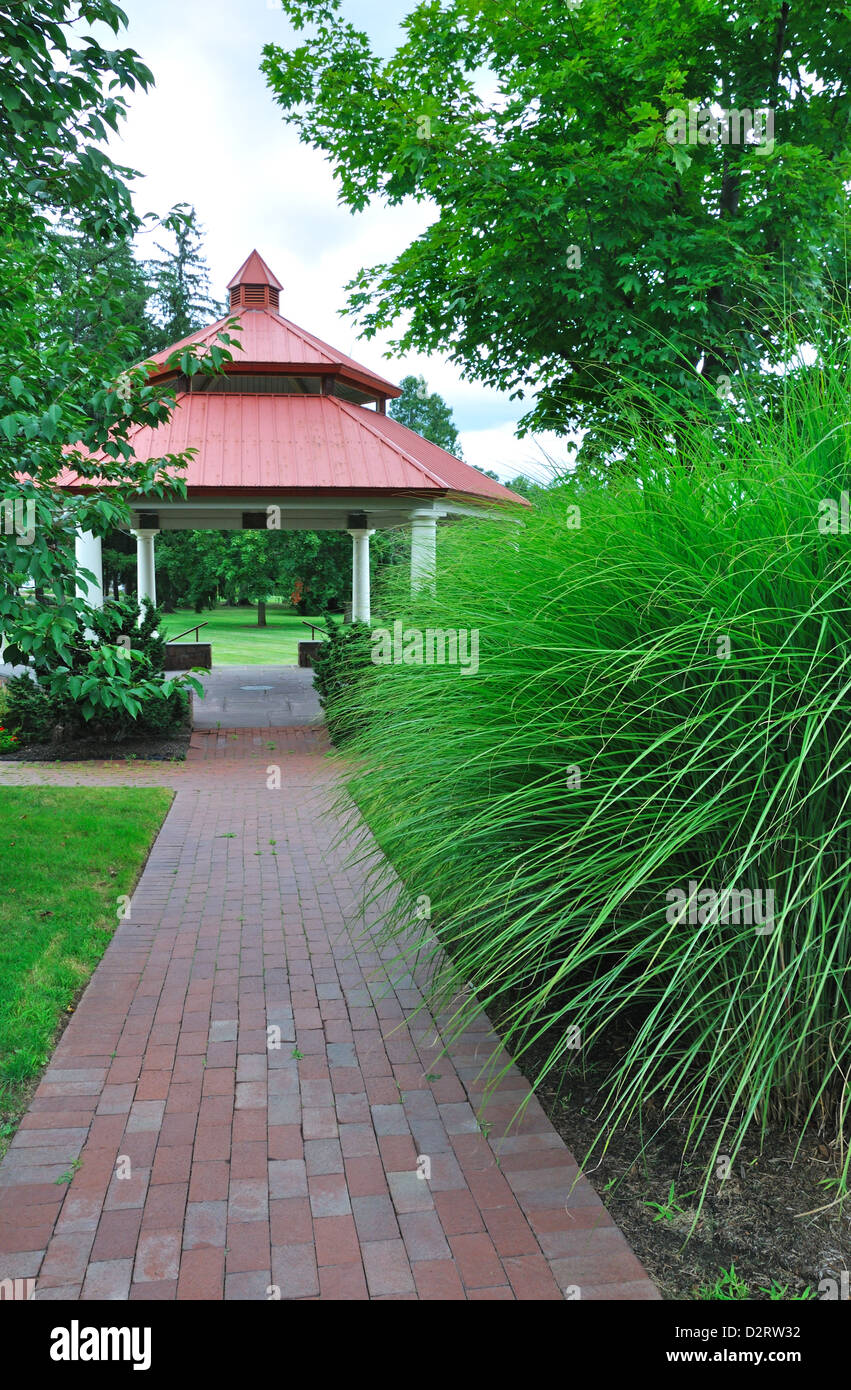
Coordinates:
x,y
68,853
238,641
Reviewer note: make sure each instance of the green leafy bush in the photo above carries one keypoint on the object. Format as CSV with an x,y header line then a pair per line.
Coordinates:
x,y
338,665
660,713
140,625
123,654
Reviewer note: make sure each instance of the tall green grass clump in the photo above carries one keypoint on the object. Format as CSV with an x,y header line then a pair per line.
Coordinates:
x,y
658,724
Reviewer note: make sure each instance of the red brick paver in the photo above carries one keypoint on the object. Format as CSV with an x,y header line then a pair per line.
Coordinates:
x,y
246,1097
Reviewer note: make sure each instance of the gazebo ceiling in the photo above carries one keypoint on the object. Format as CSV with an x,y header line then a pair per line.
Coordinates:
x,y
276,423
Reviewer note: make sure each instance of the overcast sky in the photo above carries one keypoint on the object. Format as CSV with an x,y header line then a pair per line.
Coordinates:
x,y
210,134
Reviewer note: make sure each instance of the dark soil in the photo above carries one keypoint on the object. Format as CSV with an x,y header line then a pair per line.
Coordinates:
x,y
763,1218
151,749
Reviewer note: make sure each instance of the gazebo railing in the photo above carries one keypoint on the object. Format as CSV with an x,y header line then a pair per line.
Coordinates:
x,y
195,629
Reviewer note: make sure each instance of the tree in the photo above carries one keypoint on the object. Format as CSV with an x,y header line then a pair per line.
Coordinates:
x,y
252,568
317,566
427,413
595,234
119,563
525,487
159,301
311,568
68,403
190,565
180,281
317,570
125,291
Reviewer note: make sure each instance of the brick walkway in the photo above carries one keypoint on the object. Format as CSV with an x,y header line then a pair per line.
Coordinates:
x,y
248,1168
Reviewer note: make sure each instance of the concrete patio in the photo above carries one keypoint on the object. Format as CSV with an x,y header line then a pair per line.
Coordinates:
x,y
256,697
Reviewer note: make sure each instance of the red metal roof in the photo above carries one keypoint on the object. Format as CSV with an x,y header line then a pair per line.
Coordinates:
x,y
273,444
457,475
254,271
287,443
268,340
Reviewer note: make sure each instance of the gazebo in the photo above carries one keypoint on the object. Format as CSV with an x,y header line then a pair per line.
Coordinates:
x,y
293,434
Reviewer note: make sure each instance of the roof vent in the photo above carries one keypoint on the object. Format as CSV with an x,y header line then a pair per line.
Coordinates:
x,y
254,286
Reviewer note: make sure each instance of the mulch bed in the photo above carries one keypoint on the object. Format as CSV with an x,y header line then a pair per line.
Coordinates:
x,y
755,1219
149,749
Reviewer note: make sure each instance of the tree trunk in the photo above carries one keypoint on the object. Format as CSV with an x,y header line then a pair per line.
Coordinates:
x,y
261,612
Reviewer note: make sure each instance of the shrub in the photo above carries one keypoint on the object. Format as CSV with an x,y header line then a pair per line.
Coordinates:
x,y
8,740
130,651
37,715
660,709
140,624
338,665
32,711
166,716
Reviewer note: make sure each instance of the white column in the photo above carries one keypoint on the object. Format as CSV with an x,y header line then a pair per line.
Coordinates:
x,y
88,553
361,611
423,550
146,573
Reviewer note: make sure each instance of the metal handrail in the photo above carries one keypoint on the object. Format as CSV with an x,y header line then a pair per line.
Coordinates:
x,y
314,627
196,630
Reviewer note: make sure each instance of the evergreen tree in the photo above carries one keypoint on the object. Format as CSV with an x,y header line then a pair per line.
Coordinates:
x,y
180,279
120,307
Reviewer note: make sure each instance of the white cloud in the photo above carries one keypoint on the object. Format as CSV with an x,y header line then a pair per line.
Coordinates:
x,y
210,134
500,451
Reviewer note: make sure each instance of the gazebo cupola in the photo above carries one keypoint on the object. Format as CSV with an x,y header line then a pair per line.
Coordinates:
x,y
254,286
